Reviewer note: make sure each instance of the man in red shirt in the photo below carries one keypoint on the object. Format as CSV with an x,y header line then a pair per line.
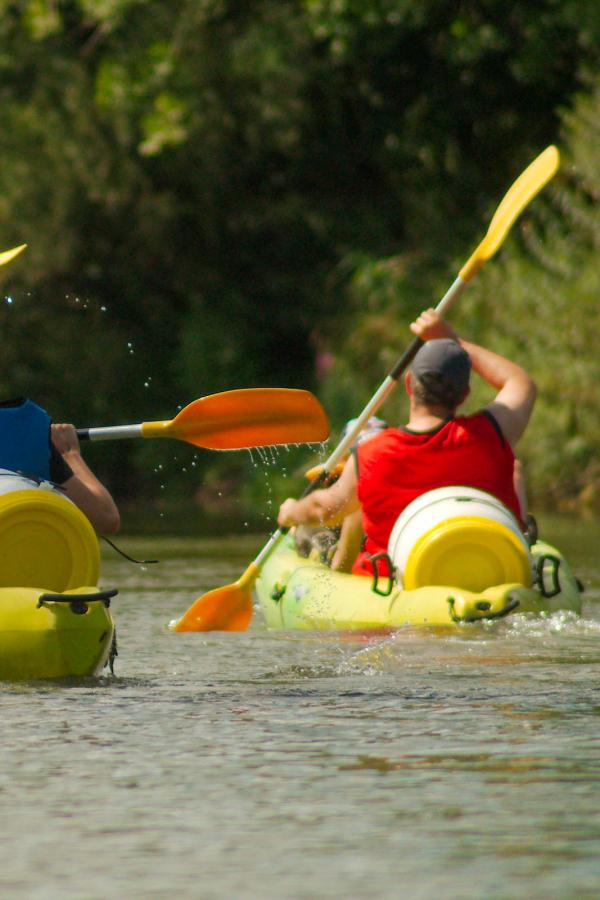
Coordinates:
x,y
436,448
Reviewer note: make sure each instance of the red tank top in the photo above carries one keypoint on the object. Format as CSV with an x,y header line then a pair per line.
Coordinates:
x,y
398,466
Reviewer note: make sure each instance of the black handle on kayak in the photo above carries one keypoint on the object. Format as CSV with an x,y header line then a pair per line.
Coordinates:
x,y
105,596
548,573
83,434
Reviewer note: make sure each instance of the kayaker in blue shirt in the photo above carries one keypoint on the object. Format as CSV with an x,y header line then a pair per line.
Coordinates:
x,y
35,447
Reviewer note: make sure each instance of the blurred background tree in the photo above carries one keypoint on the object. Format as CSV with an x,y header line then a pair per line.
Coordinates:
x,y
218,195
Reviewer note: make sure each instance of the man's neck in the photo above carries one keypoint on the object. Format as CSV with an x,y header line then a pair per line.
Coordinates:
x,y
427,418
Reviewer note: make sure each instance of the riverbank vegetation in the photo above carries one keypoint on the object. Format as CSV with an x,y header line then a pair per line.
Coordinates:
x,y
218,195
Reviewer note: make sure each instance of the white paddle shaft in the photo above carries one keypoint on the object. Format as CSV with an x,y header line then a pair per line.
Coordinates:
x,y
375,403
112,433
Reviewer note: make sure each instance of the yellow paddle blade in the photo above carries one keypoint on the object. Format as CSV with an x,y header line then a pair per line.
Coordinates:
x,y
251,417
10,254
528,184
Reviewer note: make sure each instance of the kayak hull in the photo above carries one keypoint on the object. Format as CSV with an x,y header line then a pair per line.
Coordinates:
x,y
50,626
303,594
44,638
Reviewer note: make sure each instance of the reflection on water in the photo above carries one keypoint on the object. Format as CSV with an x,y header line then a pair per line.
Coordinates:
x,y
285,765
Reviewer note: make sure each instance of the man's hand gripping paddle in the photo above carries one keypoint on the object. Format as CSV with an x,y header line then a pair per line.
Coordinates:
x,y
229,608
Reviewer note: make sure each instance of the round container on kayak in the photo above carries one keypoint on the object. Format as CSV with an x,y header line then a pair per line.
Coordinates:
x,y
45,540
461,537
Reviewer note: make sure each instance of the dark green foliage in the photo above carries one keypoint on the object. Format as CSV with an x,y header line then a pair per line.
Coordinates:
x,y
232,189
550,317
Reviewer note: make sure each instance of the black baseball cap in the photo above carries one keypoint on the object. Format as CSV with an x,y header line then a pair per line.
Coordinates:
x,y
442,361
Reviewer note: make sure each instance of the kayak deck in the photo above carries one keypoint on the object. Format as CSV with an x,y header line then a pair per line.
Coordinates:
x,y
298,593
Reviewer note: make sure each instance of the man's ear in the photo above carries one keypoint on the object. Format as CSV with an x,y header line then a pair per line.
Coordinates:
x,y
408,383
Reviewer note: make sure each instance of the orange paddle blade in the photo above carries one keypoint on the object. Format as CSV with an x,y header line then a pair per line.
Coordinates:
x,y
252,417
227,608
224,609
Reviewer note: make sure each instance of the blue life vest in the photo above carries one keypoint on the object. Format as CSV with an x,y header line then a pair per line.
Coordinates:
x,y
25,439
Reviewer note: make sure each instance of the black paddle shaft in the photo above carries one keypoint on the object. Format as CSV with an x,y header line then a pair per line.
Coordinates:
x,y
407,357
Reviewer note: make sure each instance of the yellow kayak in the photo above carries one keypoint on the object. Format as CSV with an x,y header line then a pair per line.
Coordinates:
x,y
54,621
298,593
47,635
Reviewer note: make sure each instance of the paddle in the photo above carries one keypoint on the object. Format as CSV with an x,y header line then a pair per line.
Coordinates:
x,y
229,608
10,254
234,420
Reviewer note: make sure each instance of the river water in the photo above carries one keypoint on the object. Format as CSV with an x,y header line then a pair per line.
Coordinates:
x,y
278,765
